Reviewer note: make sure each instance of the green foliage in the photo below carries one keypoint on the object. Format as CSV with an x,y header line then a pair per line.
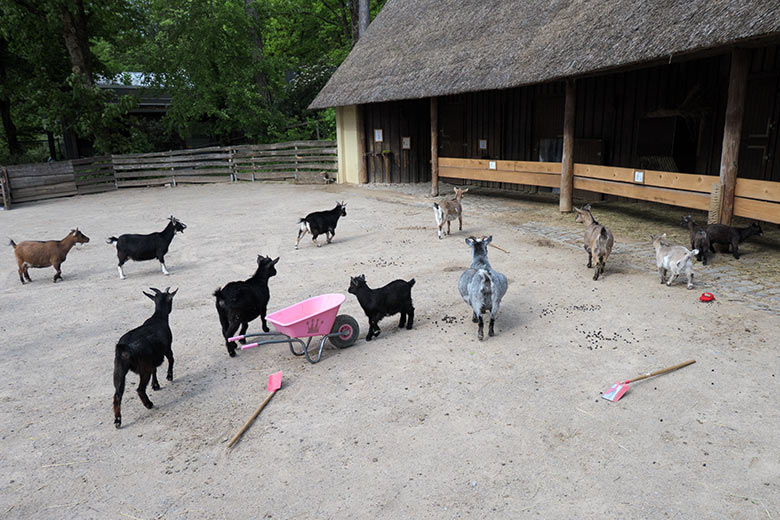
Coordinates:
x,y
235,70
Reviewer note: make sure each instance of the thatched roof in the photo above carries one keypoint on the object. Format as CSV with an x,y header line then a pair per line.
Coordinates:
x,y
422,48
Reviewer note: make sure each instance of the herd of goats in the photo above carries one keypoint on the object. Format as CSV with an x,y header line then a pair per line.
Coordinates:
x,y
143,349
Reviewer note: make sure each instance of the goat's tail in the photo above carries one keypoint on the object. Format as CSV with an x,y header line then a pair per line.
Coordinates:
x,y
688,256
485,285
603,240
12,243
219,296
411,283
111,240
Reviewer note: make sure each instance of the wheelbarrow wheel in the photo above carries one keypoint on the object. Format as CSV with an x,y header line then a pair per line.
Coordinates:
x,y
348,330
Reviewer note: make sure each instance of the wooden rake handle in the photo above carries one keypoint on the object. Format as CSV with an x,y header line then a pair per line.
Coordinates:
x,y
249,422
663,371
498,247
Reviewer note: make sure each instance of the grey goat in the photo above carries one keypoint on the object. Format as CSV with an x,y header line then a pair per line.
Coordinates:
x,y
598,240
675,260
480,286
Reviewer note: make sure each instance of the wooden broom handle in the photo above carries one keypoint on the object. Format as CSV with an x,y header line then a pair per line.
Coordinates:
x,y
249,422
663,371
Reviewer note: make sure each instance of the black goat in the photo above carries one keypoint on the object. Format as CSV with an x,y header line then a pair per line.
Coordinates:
x,y
238,303
146,247
699,238
731,236
321,223
391,299
142,350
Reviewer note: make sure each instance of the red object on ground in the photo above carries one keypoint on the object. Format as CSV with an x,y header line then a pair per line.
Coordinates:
x,y
706,297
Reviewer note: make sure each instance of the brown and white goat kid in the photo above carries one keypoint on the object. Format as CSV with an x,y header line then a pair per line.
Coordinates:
x,y
51,253
598,240
675,260
448,210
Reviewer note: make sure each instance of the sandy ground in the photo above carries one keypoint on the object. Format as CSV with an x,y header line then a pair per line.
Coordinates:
x,y
428,423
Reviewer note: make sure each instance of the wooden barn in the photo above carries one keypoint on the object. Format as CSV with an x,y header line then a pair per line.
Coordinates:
x,y
674,102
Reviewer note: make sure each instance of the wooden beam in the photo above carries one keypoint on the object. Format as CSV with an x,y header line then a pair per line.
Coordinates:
x,y
732,132
567,167
757,210
361,145
685,199
551,180
511,166
434,147
661,179
761,190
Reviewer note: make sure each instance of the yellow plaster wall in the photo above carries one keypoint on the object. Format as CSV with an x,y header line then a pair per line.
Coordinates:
x,y
347,142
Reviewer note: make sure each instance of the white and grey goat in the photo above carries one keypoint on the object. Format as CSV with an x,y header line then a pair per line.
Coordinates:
x,y
674,260
481,286
448,210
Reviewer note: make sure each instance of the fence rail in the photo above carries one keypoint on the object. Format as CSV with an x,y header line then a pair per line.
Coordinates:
x,y
302,161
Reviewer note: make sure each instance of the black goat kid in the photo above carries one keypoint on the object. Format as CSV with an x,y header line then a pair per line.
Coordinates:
x,y
146,247
731,236
321,223
391,299
238,303
142,350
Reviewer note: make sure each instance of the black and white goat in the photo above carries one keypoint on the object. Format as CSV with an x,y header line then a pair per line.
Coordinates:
x,y
731,236
391,299
146,247
142,350
321,223
240,302
480,286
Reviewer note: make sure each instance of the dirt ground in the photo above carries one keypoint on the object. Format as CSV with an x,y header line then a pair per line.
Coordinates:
x,y
427,423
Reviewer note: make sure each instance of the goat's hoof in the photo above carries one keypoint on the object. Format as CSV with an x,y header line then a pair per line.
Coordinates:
x,y
491,333
150,405
409,327
266,329
480,336
474,320
690,287
169,377
117,422
155,387
368,338
232,353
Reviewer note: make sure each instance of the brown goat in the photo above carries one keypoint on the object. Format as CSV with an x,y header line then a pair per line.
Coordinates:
x,y
51,253
448,210
598,240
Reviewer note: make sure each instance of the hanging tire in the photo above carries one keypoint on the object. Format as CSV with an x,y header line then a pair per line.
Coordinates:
x,y
348,328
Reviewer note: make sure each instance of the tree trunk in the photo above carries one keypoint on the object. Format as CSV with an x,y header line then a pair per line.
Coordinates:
x,y
260,77
9,127
354,21
74,30
364,17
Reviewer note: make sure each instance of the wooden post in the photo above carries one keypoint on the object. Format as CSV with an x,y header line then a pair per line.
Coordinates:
x,y
567,163
434,147
732,131
361,145
6,188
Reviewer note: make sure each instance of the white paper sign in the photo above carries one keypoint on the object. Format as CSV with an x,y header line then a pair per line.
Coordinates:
x,y
483,144
639,176
406,143
492,165
378,135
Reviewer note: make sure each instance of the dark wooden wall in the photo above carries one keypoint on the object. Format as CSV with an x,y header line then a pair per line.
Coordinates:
x,y
619,118
397,119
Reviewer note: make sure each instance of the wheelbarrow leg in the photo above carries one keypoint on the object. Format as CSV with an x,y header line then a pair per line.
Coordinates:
x,y
319,352
292,348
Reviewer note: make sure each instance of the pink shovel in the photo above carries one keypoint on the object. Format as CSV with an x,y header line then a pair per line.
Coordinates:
x,y
620,388
274,383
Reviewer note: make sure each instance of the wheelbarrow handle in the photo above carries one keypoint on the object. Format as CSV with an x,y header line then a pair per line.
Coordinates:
x,y
248,345
236,338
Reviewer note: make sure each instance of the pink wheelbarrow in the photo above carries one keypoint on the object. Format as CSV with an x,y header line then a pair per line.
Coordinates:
x,y
316,316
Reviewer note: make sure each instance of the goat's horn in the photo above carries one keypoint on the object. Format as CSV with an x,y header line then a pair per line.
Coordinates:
x,y
167,289
156,291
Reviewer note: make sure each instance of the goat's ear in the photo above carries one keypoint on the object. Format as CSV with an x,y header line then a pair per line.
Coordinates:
x,y
487,239
150,296
586,207
464,190
171,295
275,260
663,235
470,241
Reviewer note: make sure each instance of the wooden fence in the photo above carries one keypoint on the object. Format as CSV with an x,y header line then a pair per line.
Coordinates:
x,y
301,161
759,200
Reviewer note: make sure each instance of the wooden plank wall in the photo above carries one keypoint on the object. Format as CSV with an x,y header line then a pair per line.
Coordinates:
x,y
94,174
308,161
387,161
211,164
304,161
29,182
